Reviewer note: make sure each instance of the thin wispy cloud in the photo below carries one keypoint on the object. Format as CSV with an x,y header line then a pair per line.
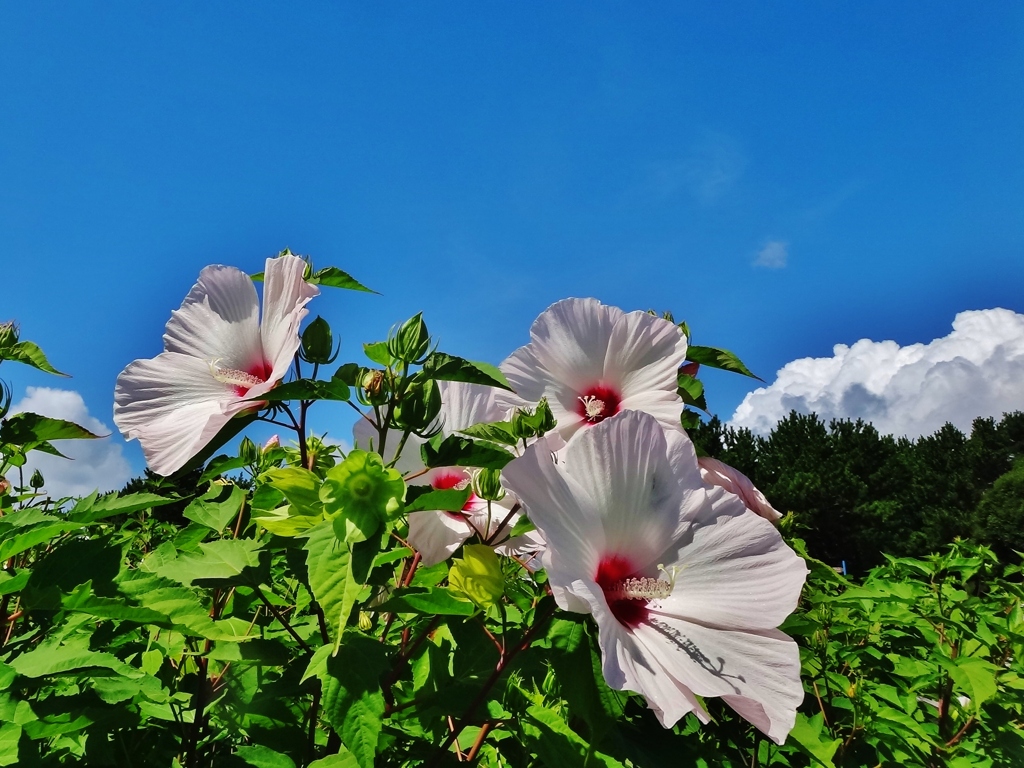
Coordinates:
x,y
773,255
974,371
713,167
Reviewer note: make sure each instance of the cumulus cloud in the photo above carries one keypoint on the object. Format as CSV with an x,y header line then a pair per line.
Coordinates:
x,y
91,464
977,370
773,255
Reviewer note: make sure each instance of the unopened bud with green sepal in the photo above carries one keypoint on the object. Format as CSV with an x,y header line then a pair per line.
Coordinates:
x,y
410,343
318,343
419,406
478,575
487,485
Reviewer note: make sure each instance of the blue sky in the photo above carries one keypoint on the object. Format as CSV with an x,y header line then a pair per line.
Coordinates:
x,y
479,161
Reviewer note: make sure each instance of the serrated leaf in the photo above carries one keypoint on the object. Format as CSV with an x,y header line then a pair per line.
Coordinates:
x,y
691,390
974,676
444,367
344,759
440,500
335,278
722,359
558,746
300,487
689,419
14,541
330,569
495,431
216,514
426,600
352,699
29,353
27,428
810,737
10,735
307,389
93,508
219,563
264,757
456,451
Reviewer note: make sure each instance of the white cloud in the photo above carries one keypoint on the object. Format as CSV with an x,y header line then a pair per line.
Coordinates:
x,y
977,370
91,464
773,255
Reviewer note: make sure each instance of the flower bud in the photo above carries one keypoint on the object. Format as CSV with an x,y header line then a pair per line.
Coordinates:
x,y
487,485
419,406
248,451
411,342
8,334
365,621
318,343
689,368
36,481
373,384
527,423
361,493
478,575
5,486
272,442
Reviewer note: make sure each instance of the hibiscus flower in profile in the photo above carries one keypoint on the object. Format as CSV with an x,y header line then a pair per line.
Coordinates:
x,y
686,586
591,361
218,355
719,473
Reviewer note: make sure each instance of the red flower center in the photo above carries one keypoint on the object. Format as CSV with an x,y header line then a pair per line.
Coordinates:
x,y
446,481
598,403
612,572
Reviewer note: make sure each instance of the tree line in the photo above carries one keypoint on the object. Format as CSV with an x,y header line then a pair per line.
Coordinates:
x,y
856,494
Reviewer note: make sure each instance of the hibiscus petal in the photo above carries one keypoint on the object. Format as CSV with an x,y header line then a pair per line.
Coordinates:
x,y
561,509
622,462
285,295
733,569
644,353
173,405
757,672
218,320
436,535
464,405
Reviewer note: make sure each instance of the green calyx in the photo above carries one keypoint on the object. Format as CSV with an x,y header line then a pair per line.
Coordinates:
x,y
360,493
478,575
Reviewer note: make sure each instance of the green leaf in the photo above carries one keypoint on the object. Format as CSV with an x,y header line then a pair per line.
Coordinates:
x,y
722,359
28,428
522,526
444,500
352,700
692,391
52,658
93,508
344,759
810,737
10,735
221,563
557,745
976,677
443,367
378,353
15,540
329,565
456,451
30,354
689,419
307,389
335,278
427,600
495,431
264,757
216,514
300,486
